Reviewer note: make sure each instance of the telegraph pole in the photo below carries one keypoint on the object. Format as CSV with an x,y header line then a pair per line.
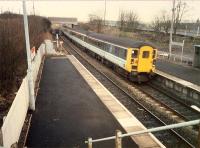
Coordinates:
x,y
171,30
104,12
29,71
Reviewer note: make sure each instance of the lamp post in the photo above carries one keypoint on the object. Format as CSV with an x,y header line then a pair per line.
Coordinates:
x,y
29,71
171,30
104,12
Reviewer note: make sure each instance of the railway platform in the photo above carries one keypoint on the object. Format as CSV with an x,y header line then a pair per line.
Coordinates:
x,y
68,111
186,73
72,106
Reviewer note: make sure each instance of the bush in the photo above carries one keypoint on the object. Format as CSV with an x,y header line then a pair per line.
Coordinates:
x,y
13,63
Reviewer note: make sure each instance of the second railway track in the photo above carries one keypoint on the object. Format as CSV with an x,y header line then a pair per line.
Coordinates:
x,y
184,111
169,138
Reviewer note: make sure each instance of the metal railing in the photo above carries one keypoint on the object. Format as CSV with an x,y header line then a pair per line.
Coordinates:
x,y
118,134
175,58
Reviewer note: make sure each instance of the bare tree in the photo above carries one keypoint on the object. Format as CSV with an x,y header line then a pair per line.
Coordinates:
x,y
132,20
180,10
197,22
157,25
96,21
161,22
165,21
122,21
128,21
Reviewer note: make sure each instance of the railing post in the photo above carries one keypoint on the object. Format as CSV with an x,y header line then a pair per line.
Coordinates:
x,y
89,142
118,139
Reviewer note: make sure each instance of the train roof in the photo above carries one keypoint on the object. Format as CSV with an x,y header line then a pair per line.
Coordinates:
x,y
122,41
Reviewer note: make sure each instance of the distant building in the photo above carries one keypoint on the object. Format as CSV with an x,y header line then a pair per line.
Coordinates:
x,y
61,21
111,23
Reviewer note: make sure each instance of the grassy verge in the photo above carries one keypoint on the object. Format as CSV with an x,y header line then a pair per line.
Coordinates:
x,y
13,64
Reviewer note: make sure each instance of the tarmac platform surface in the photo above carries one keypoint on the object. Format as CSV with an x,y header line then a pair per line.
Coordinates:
x,y
68,111
189,74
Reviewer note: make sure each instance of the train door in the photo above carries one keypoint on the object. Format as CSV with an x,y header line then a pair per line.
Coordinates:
x,y
145,59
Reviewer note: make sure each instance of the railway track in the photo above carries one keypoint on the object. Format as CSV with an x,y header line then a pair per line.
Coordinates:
x,y
169,138
183,110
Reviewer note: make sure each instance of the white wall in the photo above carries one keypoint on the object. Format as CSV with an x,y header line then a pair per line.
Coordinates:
x,y
13,123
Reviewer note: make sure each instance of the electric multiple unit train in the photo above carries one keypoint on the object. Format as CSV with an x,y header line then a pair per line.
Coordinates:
x,y
133,59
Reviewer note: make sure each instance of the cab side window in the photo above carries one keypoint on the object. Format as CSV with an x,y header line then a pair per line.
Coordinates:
x,y
134,53
145,54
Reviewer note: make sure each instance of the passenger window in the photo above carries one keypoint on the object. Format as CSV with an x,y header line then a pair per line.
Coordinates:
x,y
112,49
117,51
145,54
134,53
122,53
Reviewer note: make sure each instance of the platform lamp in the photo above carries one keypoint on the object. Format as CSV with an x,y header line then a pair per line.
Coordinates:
x,y
104,12
29,71
171,30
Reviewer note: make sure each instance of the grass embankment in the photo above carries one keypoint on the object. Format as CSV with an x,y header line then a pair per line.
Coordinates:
x,y
13,61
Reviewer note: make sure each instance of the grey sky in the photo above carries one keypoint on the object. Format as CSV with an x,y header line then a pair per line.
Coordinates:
x,y
146,10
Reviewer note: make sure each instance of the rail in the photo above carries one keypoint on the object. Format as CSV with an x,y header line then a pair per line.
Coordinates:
x,y
118,135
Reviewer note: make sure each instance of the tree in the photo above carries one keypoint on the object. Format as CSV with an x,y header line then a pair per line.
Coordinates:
x,y
122,21
128,21
132,21
96,21
161,22
179,11
156,25
198,22
165,21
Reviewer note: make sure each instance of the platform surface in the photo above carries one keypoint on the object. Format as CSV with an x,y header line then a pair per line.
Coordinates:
x,y
68,111
189,74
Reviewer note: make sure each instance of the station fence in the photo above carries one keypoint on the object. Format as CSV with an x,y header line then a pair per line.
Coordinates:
x,y
175,58
118,135
13,122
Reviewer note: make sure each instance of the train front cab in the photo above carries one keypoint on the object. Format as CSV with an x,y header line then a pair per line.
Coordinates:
x,y
141,62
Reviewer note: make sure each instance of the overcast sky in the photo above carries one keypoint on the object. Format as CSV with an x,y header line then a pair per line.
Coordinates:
x,y
146,10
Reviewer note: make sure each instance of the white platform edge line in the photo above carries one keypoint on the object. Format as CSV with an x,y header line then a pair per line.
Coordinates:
x,y
153,137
